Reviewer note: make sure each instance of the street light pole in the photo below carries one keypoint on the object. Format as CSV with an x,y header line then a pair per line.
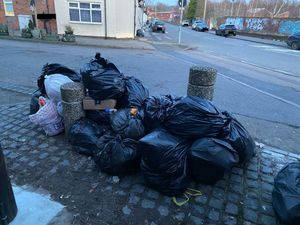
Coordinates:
x,y
204,12
180,24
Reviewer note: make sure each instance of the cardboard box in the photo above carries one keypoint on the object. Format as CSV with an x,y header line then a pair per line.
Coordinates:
x,y
91,104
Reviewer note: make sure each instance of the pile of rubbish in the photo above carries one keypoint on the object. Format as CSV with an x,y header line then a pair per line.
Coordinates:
x,y
170,139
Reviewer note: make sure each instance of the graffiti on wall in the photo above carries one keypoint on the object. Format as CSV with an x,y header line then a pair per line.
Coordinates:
x,y
263,25
254,24
238,22
289,27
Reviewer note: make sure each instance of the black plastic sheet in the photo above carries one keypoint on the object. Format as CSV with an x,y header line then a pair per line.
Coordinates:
x,y
116,155
210,158
164,162
286,194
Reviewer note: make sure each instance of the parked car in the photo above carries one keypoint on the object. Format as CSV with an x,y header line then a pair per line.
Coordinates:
x,y
293,41
226,29
196,22
202,26
185,23
158,26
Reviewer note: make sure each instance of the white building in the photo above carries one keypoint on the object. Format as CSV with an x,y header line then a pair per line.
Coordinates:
x,y
100,18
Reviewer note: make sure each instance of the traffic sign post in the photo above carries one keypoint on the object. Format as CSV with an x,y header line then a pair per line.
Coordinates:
x,y
181,4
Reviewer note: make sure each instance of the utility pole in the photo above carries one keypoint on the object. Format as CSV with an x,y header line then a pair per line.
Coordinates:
x,y
231,13
204,12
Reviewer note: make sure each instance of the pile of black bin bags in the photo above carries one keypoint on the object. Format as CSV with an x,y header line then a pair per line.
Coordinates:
x,y
170,139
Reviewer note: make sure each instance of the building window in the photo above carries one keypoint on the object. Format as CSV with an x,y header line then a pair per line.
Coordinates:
x,y
85,12
8,7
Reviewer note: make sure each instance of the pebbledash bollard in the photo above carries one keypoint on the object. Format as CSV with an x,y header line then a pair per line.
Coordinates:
x,y
8,207
72,95
201,82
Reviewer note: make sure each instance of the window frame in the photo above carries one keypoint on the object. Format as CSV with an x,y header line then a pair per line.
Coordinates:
x,y
6,13
90,9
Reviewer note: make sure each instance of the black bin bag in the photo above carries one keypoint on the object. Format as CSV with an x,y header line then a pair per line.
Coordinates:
x,y
136,93
34,102
164,162
56,68
155,109
128,124
84,135
116,155
238,137
209,158
286,194
194,117
102,79
102,117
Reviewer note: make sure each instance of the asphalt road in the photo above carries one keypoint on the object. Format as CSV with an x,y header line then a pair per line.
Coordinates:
x,y
265,101
278,58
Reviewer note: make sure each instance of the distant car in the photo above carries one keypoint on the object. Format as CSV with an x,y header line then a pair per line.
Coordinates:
x,y
226,29
196,22
293,41
158,26
201,27
185,23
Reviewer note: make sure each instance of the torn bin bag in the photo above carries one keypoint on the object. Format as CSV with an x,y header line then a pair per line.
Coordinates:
x,y
84,135
194,117
164,162
128,124
209,158
238,137
286,194
102,79
55,68
116,155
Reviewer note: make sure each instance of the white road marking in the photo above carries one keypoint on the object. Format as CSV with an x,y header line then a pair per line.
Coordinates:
x,y
169,38
285,51
261,91
244,84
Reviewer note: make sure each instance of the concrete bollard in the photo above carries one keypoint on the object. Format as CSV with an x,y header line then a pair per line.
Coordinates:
x,y
8,207
201,82
72,95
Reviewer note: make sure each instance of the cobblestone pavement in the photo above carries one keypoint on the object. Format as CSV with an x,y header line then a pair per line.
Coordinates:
x,y
241,197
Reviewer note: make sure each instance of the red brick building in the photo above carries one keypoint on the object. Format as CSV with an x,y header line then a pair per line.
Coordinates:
x,y
169,16
17,13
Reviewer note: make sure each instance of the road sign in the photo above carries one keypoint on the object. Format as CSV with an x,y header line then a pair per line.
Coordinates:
x,y
182,3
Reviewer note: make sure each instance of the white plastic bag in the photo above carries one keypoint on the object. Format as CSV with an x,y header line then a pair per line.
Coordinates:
x,y
45,114
54,127
53,83
49,119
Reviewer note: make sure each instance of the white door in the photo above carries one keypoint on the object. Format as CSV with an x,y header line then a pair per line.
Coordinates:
x,y
23,21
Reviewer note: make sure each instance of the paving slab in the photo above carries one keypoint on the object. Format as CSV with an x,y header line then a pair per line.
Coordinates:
x,y
242,196
34,208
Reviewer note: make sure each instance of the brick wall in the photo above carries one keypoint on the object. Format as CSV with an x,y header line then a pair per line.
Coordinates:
x,y
22,7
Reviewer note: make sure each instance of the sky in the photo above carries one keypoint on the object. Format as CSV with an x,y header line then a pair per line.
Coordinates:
x,y
168,2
